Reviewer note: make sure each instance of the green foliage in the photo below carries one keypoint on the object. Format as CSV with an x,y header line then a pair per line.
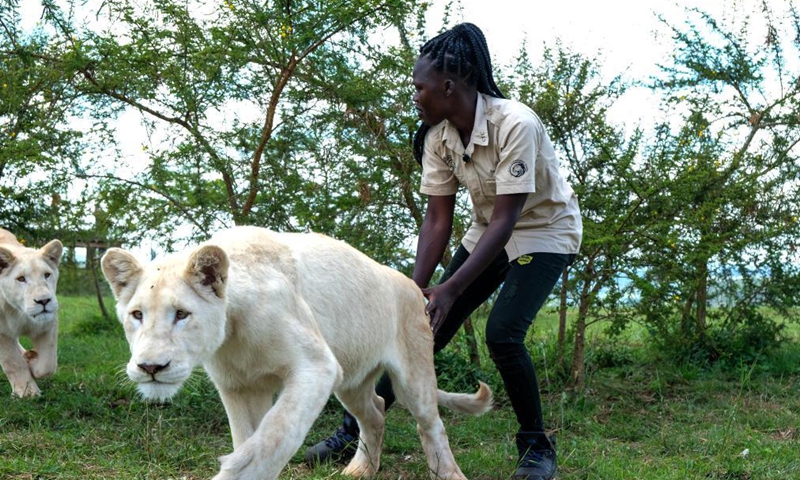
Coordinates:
x,y
569,94
240,104
726,191
74,281
609,355
691,215
746,335
455,373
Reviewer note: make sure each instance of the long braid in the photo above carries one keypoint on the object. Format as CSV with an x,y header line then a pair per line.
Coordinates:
x,y
461,51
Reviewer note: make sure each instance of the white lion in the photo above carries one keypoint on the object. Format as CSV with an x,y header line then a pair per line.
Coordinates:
x,y
28,307
280,321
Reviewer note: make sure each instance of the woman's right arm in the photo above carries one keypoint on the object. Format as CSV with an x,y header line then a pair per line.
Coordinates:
x,y
434,236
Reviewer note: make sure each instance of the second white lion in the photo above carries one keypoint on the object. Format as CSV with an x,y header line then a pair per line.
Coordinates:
x,y
28,307
280,321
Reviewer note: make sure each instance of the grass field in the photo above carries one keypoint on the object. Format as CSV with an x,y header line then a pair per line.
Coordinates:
x,y
640,418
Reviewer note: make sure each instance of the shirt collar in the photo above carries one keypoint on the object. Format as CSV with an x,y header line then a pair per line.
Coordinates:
x,y
480,130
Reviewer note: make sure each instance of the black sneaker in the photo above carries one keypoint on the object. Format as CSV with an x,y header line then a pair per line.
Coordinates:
x,y
537,457
338,448
537,466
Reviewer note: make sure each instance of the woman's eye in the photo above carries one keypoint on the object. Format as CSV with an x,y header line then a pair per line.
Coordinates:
x,y
137,314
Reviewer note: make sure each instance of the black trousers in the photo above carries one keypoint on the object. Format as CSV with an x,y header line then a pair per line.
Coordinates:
x,y
526,283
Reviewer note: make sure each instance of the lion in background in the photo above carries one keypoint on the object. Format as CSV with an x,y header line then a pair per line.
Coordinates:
x,y
280,321
28,307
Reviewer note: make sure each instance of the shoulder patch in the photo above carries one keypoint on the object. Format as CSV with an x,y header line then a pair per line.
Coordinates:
x,y
517,168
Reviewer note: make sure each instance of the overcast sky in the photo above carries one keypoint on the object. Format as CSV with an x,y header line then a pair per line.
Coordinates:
x,y
621,30
625,35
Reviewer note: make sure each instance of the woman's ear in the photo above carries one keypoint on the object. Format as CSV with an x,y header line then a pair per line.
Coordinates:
x,y
449,87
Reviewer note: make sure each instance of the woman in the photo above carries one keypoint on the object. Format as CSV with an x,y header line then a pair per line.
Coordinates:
x,y
526,227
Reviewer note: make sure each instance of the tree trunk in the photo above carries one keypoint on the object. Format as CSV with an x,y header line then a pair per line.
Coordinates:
x,y
472,343
578,370
90,252
702,298
562,319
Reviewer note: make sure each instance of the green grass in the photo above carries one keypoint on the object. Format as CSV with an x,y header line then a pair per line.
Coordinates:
x,y
641,417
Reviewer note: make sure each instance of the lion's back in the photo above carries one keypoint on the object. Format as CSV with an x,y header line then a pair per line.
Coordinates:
x,y
357,303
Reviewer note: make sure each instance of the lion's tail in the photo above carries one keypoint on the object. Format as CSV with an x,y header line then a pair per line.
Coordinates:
x,y
476,403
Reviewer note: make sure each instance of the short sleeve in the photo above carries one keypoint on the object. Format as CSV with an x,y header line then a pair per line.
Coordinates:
x,y
437,177
519,144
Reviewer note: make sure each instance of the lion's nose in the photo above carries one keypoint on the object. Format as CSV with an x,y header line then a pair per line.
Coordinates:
x,y
43,301
152,368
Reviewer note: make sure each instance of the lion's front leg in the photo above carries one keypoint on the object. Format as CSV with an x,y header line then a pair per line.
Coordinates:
x,y
16,368
282,430
43,358
246,408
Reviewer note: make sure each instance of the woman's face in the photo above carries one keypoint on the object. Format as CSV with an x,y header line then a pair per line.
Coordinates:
x,y
431,93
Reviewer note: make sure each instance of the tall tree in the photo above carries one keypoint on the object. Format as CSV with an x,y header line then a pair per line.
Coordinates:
x,y
730,174
37,142
568,92
217,86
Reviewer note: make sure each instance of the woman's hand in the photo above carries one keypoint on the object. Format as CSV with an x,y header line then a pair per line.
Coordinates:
x,y
440,300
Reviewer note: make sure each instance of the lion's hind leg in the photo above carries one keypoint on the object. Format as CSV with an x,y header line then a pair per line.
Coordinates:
x,y
418,393
368,409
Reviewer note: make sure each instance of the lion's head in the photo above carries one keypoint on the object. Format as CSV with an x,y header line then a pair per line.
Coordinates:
x,y
28,279
173,313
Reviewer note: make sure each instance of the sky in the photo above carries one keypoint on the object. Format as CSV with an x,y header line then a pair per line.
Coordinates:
x,y
624,32
625,35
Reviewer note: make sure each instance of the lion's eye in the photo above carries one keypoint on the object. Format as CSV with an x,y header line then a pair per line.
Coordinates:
x,y
21,279
47,275
181,314
137,314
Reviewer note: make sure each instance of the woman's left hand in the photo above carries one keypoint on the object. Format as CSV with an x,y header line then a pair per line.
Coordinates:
x,y
440,300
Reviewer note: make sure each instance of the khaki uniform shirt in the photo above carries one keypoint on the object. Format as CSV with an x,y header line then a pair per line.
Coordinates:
x,y
509,152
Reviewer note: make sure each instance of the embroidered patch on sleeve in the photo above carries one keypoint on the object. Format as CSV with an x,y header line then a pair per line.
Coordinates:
x,y
524,259
517,168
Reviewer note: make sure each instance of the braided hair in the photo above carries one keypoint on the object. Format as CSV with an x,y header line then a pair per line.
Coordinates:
x,y
461,51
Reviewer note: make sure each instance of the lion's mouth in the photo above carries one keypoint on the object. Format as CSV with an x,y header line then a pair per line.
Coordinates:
x,y
154,382
158,390
44,313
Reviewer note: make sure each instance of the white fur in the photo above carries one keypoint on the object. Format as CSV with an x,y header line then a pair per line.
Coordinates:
x,y
280,321
28,307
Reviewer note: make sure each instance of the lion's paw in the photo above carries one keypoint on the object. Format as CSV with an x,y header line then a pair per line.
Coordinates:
x,y
39,366
28,390
361,470
245,463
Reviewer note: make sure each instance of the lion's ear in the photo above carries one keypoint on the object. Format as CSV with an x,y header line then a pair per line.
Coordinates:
x,y
6,258
52,252
121,269
207,269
